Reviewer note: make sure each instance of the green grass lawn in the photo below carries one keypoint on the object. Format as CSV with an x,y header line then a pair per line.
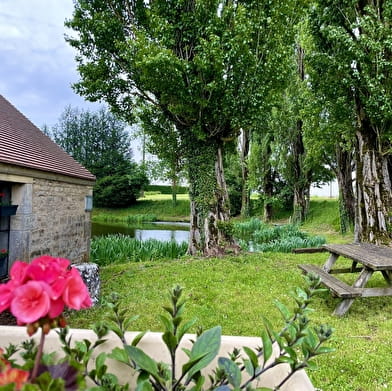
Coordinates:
x,y
159,205
236,291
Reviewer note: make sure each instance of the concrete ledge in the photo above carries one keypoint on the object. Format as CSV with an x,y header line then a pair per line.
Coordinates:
x,y
152,344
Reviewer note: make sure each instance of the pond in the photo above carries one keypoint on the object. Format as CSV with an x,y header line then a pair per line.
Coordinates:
x,y
160,230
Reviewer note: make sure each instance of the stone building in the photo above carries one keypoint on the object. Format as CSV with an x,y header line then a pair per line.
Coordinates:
x,y
53,193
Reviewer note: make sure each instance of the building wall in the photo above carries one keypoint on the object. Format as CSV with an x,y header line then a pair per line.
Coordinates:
x,y
51,217
60,226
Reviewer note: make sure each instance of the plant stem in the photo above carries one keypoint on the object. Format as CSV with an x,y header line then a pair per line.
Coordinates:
x,y
38,356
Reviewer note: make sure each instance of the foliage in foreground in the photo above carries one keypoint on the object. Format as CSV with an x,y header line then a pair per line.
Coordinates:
x,y
297,344
122,248
258,236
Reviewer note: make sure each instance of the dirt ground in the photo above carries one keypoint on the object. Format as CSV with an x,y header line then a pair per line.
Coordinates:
x,y
7,319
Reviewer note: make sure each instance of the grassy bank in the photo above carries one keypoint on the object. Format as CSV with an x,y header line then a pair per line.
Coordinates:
x,y
236,291
160,206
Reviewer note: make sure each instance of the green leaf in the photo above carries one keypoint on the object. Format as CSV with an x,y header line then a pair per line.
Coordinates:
x,y
285,359
311,365
170,341
184,328
100,360
283,310
143,383
142,360
249,367
208,342
252,356
128,321
232,371
267,346
138,338
167,323
188,365
119,355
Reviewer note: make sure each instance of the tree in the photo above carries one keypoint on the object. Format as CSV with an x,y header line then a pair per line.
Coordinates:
x,y
162,139
353,60
197,62
97,140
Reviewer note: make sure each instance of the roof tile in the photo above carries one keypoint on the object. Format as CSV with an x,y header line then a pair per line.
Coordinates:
x,y
23,144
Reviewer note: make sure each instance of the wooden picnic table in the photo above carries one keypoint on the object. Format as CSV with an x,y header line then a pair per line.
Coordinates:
x,y
366,259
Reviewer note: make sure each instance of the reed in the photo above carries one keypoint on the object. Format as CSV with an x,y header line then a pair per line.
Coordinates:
x,y
258,236
129,219
121,249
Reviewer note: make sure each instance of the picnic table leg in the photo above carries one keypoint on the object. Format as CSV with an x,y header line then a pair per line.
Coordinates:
x,y
330,262
361,281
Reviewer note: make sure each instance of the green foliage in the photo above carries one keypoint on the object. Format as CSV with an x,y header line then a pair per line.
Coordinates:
x,y
159,206
130,219
205,66
121,248
163,189
298,345
97,140
120,190
258,236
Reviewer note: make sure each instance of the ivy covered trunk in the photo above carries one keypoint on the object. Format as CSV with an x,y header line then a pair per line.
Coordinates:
x,y
210,232
374,190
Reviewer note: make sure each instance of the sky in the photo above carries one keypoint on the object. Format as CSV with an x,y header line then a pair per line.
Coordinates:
x,y
37,66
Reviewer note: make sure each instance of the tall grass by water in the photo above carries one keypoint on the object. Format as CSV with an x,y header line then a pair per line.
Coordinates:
x,y
121,248
256,235
129,219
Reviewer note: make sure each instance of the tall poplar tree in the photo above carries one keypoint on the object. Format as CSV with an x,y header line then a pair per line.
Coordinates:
x,y
353,57
205,64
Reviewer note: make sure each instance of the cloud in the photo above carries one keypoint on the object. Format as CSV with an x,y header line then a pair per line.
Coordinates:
x,y
37,66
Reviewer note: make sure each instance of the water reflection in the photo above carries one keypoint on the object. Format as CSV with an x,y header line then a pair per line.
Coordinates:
x,y
162,231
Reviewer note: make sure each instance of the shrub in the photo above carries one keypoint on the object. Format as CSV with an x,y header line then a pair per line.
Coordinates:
x,y
119,190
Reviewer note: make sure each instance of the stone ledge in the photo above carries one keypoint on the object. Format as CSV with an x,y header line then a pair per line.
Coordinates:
x,y
152,344
90,275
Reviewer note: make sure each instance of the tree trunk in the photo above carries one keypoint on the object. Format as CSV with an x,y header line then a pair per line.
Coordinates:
x,y
302,182
268,184
210,232
343,173
302,177
174,190
245,198
374,191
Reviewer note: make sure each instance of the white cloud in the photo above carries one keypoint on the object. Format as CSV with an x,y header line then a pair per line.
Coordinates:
x,y
37,66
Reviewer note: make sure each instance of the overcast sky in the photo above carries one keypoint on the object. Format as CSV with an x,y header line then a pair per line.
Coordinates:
x,y
37,66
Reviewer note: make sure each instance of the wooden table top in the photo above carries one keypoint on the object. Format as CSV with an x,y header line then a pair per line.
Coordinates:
x,y
370,255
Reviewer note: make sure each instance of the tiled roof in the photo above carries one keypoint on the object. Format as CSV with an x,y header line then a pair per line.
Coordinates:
x,y
23,144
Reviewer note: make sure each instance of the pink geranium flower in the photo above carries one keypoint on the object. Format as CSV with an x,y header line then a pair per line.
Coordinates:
x,y
31,302
40,290
75,294
6,295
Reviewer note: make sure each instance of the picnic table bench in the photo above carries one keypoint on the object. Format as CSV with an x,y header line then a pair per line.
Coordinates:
x,y
366,259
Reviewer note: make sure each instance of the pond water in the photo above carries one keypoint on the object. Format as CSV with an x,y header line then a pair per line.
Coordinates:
x,y
160,230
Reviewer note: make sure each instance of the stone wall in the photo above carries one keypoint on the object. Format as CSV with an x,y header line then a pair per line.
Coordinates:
x,y
51,217
60,226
